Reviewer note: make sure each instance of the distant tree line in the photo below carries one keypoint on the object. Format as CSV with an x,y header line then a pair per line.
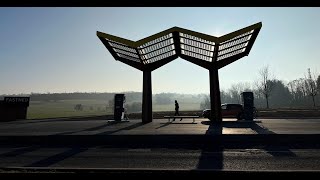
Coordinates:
x,y
69,96
270,92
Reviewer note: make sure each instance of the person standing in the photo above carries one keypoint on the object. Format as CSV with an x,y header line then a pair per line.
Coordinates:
x,y
176,110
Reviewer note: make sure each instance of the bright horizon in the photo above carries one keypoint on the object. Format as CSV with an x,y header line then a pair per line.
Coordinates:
x,y
56,50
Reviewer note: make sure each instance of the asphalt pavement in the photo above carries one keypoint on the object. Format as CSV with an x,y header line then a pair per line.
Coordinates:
x,y
93,145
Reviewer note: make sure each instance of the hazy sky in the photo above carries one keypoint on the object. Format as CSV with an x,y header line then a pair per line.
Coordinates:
x,y
57,50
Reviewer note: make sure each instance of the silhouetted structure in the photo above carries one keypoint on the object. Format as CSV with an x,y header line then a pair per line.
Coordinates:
x,y
207,51
119,100
13,108
248,105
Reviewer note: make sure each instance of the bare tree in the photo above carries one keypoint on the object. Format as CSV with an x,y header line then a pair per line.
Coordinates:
x,y
264,84
237,89
318,83
233,91
205,104
301,87
310,86
292,88
297,89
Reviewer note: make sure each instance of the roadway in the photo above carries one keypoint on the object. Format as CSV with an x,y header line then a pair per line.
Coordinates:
x,y
261,145
270,159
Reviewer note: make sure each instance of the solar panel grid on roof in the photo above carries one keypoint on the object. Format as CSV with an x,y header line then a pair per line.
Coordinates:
x,y
156,40
126,48
234,46
126,53
196,47
190,37
128,57
231,54
231,43
191,45
157,49
156,46
109,40
240,46
158,52
198,56
249,33
197,50
162,56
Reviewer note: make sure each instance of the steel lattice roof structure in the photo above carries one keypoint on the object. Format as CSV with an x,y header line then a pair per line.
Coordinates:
x,y
207,51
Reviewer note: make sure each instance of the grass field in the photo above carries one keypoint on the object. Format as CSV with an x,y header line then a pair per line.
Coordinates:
x,y
65,108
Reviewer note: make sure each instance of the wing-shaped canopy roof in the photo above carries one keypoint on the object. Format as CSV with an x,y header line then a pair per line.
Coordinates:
x,y
163,47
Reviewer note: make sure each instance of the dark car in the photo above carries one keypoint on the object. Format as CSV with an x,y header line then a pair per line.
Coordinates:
x,y
228,111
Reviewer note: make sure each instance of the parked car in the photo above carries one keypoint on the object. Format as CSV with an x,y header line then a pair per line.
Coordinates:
x,y
229,111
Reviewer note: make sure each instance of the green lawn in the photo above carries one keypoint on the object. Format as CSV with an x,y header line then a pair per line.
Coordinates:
x,y
65,108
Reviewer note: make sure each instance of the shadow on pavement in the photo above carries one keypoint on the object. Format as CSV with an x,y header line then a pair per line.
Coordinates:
x,y
57,158
212,158
274,150
164,125
109,123
60,119
121,129
19,151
